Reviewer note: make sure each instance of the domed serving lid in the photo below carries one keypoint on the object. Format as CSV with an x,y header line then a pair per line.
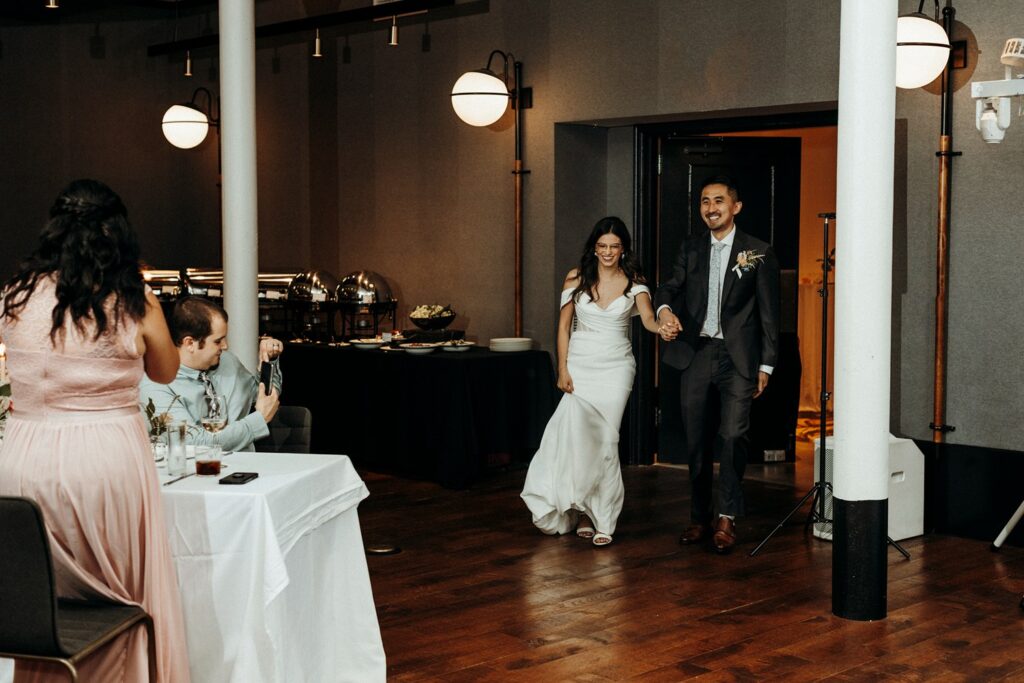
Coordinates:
x,y
314,286
364,287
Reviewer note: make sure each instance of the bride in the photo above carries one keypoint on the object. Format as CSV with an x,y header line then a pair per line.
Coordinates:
x,y
574,480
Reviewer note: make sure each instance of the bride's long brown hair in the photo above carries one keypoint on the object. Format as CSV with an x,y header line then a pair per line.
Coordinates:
x,y
628,261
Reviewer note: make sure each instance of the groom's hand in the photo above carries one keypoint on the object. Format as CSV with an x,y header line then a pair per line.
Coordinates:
x,y
668,325
762,382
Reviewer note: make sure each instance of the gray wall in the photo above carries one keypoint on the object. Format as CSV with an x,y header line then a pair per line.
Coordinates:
x,y
364,165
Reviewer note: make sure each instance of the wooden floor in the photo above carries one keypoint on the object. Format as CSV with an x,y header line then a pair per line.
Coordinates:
x,y
479,595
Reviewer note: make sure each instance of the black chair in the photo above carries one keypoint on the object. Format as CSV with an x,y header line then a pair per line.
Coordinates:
x,y
34,623
290,431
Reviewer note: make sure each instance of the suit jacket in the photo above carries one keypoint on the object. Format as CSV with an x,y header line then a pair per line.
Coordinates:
x,y
750,304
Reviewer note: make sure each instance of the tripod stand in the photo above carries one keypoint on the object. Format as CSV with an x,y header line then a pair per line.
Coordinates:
x,y
821,488
817,492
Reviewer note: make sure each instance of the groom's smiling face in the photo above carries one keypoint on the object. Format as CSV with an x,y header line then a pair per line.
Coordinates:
x,y
718,208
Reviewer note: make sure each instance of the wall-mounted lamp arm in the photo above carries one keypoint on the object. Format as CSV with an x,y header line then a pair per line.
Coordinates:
x,y
212,110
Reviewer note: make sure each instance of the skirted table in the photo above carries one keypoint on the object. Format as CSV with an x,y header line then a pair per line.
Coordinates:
x,y
441,417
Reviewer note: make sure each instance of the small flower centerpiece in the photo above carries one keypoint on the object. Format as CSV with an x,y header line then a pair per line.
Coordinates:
x,y
432,316
747,261
158,425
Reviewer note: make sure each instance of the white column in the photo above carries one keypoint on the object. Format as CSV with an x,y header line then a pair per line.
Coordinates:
x,y
238,145
867,113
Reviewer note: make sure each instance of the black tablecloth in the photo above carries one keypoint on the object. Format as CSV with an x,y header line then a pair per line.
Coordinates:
x,y
442,417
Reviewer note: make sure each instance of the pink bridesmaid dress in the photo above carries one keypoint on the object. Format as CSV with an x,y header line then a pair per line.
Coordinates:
x,y
76,443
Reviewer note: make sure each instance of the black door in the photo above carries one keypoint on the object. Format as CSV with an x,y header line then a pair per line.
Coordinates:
x,y
767,170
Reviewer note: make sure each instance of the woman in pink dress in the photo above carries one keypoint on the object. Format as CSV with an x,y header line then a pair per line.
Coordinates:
x,y
80,328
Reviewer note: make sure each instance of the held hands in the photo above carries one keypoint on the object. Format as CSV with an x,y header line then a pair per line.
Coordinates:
x,y
669,326
564,381
267,404
270,349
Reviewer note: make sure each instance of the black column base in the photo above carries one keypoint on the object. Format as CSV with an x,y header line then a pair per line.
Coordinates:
x,y
859,562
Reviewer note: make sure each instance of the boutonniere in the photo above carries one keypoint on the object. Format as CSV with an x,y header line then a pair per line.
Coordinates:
x,y
746,261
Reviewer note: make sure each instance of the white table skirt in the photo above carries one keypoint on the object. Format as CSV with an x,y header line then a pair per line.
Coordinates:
x,y
273,573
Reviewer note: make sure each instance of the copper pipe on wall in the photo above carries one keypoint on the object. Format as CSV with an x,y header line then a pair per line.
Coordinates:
x,y
941,291
519,102
945,155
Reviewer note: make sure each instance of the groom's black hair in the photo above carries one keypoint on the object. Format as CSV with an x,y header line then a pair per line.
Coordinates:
x,y
722,179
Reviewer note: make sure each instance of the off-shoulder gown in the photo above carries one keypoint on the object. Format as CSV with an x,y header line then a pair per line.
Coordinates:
x,y
76,443
576,469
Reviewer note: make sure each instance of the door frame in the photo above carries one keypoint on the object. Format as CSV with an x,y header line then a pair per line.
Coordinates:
x,y
642,412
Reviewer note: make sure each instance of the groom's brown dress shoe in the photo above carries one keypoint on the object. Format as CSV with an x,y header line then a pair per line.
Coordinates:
x,y
725,535
695,533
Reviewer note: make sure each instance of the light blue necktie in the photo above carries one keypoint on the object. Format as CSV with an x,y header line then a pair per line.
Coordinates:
x,y
714,283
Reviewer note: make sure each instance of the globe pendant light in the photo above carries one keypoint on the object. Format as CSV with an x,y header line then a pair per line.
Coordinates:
x,y
922,50
184,126
480,97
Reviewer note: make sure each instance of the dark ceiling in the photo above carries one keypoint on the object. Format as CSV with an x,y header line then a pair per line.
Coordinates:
x,y
35,11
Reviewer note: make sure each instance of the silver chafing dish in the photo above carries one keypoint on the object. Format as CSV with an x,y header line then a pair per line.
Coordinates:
x,y
366,304
312,296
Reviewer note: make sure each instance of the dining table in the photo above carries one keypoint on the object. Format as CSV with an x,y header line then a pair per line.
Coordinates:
x,y
273,574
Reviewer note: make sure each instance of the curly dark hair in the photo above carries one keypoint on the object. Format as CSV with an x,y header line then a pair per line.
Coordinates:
x,y
89,247
628,262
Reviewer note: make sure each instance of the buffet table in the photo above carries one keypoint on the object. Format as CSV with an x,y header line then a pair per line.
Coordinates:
x,y
273,575
442,417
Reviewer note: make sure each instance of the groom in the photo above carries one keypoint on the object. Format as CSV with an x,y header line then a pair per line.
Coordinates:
x,y
720,314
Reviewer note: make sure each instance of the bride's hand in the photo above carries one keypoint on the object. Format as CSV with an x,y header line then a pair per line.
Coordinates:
x,y
564,381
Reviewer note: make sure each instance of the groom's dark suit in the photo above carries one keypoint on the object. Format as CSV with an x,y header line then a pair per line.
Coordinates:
x,y
750,330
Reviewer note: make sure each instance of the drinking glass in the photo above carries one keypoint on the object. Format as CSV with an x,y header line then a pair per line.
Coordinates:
x,y
214,413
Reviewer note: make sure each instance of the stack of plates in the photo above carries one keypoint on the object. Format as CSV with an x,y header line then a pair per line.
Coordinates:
x,y
511,344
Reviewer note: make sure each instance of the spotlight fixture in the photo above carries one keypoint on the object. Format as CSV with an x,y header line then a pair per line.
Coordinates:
x,y
185,125
316,46
52,4
188,64
922,48
393,37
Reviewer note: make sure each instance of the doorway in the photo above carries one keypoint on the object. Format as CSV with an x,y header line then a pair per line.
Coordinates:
x,y
785,166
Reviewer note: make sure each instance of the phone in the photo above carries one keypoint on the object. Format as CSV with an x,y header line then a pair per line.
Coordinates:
x,y
267,376
239,478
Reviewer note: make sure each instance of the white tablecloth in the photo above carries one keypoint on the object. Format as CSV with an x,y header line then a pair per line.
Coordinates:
x,y
273,573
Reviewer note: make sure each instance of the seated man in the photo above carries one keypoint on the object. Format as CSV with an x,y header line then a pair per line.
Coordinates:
x,y
199,328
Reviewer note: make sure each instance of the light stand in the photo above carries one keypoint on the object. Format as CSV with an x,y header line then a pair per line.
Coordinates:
x,y
821,488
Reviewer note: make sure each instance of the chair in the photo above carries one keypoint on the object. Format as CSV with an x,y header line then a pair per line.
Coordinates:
x,y
289,431
34,623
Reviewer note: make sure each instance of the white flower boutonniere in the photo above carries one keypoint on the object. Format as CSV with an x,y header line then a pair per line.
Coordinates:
x,y
747,261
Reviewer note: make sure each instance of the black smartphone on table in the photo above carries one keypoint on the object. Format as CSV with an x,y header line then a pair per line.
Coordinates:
x,y
239,478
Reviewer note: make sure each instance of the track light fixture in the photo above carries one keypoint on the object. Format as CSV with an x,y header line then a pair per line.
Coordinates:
x,y
393,36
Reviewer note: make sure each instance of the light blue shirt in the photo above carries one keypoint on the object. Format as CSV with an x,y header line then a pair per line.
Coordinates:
x,y
230,379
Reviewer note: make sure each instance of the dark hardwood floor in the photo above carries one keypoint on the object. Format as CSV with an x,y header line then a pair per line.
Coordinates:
x,y
479,595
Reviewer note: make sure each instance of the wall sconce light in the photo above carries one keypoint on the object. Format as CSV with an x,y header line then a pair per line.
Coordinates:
x,y
316,46
185,125
480,98
922,48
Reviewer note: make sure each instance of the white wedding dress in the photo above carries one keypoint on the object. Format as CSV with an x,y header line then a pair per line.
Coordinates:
x,y
576,469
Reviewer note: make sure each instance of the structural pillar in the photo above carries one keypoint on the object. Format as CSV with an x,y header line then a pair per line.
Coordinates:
x,y
866,137
238,141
